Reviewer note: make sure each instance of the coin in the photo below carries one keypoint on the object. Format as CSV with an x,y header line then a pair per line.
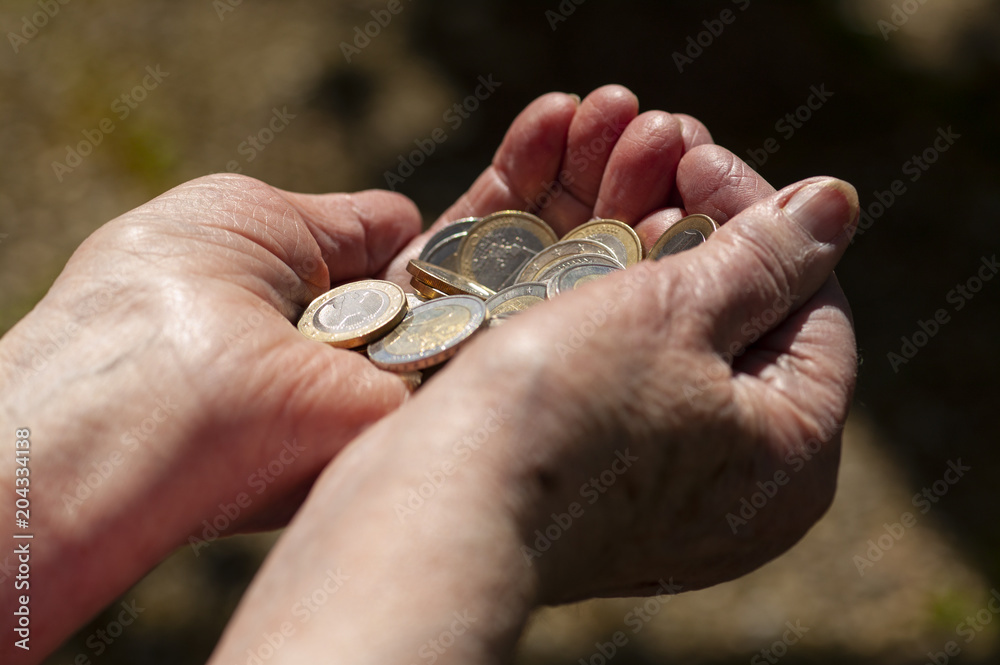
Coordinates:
x,y
354,314
500,243
535,265
515,299
424,291
576,276
446,281
442,248
429,334
558,266
414,299
686,234
619,237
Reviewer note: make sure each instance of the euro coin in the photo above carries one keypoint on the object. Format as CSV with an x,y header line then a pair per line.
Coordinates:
x,y
686,234
530,271
574,277
429,334
442,248
515,299
500,243
354,314
446,281
619,237
556,267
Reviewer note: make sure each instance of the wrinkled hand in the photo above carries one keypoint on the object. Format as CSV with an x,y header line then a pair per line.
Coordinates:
x,y
595,444
718,369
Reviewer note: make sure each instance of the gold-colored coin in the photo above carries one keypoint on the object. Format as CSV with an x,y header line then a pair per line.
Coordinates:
x,y
617,236
500,243
354,314
446,281
425,292
686,234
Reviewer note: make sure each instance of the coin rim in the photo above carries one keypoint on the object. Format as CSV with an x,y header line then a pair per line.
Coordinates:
x,y
447,281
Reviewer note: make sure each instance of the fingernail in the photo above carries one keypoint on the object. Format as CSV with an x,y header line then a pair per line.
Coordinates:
x,y
825,209
576,98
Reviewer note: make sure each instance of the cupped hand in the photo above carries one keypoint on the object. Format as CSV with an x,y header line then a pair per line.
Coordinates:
x,y
596,444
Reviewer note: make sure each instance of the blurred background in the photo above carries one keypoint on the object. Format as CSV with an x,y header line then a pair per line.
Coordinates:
x,y
108,103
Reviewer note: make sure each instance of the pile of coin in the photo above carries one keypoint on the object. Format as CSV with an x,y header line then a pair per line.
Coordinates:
x,y
476,273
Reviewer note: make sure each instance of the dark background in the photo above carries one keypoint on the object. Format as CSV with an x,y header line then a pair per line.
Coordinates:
x,y
892,94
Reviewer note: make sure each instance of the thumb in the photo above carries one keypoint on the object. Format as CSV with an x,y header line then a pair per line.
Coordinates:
x,y
780,250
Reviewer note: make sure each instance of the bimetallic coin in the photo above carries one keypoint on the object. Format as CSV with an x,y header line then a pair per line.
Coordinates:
x,y
515,299
535,265
354,314
442,248
557,267
429,334
576,276
686,234
446,281
500,243
617,236
424,291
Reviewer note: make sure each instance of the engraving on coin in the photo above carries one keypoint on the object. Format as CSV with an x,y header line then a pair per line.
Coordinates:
x,y
515,299
556,267
446,281
617,236
354,314
576,276
442,248
534,266
500,243
429,334
686,234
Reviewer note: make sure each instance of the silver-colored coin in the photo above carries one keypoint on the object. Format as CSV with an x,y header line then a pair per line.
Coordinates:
x,y
442,248
515,299
557,267
576,276
430,334
500,243
536,264
414,299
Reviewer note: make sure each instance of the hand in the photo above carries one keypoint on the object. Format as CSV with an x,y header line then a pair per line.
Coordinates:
x,y
667,392
170,397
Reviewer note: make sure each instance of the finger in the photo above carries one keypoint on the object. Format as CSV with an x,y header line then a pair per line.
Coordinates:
x,y
710,181
529,157
358,234
640,174
695,133
598,124
773,256
713,181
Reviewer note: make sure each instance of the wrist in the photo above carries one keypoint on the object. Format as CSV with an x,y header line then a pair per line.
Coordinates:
x,y
418,539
